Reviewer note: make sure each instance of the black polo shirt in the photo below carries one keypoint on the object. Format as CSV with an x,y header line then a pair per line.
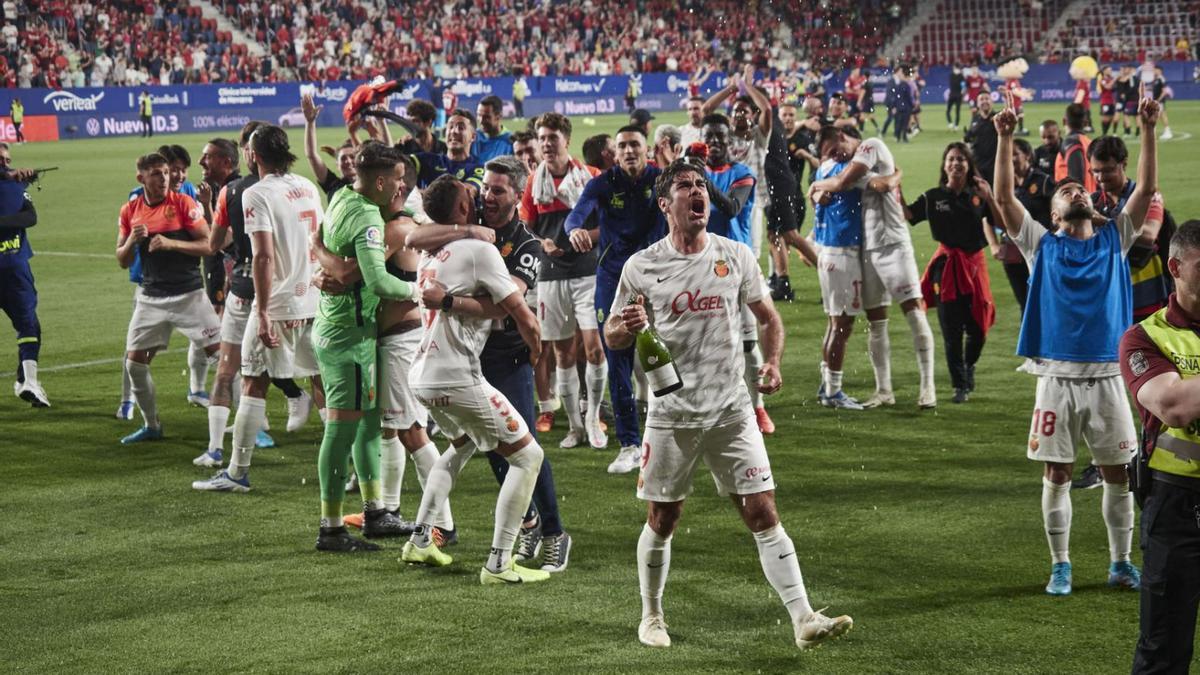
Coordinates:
x,y
1034,193
520,250
332,183
1044,157
955,220
982,138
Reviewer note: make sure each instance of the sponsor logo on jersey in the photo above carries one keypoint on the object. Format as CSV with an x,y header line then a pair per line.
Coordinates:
x,y
721,269
693,301
1138,363
617,200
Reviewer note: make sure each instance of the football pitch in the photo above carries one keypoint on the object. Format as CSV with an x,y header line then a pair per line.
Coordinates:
x,y
925,526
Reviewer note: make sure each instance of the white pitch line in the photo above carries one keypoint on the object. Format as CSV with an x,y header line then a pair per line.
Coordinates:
x,y
81,364
71,254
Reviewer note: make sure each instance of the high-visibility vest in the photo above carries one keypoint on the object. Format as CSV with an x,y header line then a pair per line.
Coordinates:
x,y
1060,163
1177,449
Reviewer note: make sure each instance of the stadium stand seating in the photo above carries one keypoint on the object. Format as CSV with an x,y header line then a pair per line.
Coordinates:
x,y
1112,30
970,31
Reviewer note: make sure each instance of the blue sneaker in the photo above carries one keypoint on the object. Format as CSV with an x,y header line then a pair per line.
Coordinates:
x,y
1060,579
211,459
125,410
1124,574
841,400
223,482
199,399
143,434
264,440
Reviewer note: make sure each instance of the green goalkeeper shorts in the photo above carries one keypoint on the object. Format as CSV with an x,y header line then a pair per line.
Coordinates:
x,y
346,358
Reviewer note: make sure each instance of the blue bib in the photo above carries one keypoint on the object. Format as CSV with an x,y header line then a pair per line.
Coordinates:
x,y
838,223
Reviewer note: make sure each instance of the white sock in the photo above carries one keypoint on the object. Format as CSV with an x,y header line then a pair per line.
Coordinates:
x,y
218,419
142,386
922,336
515,493
549,405
777,554
833,382
126,383
879,346
1056,514
438,485
1117,507
251,414
754,360
197,368
424,458
568,390
597,379
654,562
29,370
822,369
391,468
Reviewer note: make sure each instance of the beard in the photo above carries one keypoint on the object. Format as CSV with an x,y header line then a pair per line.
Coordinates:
x,y
1077,212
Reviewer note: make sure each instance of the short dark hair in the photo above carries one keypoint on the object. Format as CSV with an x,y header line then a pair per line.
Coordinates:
x,y
509,165
421,110
592,147
1064,182
1023,146
167,152
1049,123
714,118
1187,237
374,158
555,122
439,197
632,128
151,160
248,130
227,149
181,154
1108,148
465,114
1076,117
494,102
662,184
270,144
829,133
748,100
523,137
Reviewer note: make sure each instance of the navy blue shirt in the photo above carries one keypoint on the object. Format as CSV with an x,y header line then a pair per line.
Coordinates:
x,y
626,212
16,214
430,166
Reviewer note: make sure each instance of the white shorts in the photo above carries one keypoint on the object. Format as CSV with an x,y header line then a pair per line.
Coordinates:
x,y
839,270
734,453
478,411
233,319
565,305
154,319
1095,411
397,403
889,274
294,357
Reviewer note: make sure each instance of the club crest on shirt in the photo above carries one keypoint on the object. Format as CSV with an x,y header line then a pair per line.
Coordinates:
x,y
1033,443
169,212
512,424
1033,189
976,201
721,269
506,249
1138,364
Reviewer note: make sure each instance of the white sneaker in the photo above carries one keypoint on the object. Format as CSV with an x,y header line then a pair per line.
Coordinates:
x,y
880,398
596,438
1166,135
211,459
652,631
298,410
223,482
199,399
817,628
627,459
927,399
31,392
573,439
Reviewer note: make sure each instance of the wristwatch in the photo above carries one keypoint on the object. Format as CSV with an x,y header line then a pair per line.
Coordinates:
x,y
447,302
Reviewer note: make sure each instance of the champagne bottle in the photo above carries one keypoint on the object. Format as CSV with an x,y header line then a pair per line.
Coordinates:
x,y
661,372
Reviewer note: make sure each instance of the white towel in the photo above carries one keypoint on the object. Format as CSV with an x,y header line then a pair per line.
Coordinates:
x,y
569,189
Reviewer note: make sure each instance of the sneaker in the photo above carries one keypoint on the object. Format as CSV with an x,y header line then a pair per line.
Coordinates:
x,y
1090,478
514,574
125,410
298,410
573,439
223,482
338,540
555,552
961,395
817,628
352,484
1060,579
627,459
652,631
1166,135
927,399
880,398
263,440
841,400
431,555
199,399
545,422
211,459
143,434
970,376
596,436
765,425
445,538
31,392
384,523
354,520
782,291
529,543
821,393
1122,574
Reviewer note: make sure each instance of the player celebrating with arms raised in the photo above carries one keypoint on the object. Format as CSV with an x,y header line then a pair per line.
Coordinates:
x,y
692,286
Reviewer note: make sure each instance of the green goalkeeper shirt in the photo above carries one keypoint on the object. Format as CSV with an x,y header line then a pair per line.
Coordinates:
x,y
354,229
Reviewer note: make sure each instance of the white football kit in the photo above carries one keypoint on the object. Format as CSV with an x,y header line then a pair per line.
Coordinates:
x,y
889,264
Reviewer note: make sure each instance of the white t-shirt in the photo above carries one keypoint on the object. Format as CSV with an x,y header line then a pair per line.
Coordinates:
x,y
689,134
753,153
449,351
694,303
1028,241
884,223
289,207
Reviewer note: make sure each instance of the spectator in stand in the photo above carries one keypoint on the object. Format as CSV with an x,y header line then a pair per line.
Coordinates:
x,y
1046,155
492,140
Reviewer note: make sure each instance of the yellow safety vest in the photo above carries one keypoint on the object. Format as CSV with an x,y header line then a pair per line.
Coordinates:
x,y
1177,450
18,113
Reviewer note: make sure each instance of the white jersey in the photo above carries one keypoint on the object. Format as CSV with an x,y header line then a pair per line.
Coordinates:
x,y
884,223
694,303
689,134
449,351
289,207
753,153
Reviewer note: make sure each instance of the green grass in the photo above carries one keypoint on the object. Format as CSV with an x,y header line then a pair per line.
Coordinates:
x,y
926,527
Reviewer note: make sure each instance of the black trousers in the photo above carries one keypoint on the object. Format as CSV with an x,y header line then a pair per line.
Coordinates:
x,y
902,118
957,324
1018,280
1170,591
956,104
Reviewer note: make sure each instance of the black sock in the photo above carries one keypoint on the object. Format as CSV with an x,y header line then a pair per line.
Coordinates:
x,y
1104,132
287,386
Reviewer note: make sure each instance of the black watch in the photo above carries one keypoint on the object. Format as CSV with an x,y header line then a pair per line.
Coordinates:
x,y
447,302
